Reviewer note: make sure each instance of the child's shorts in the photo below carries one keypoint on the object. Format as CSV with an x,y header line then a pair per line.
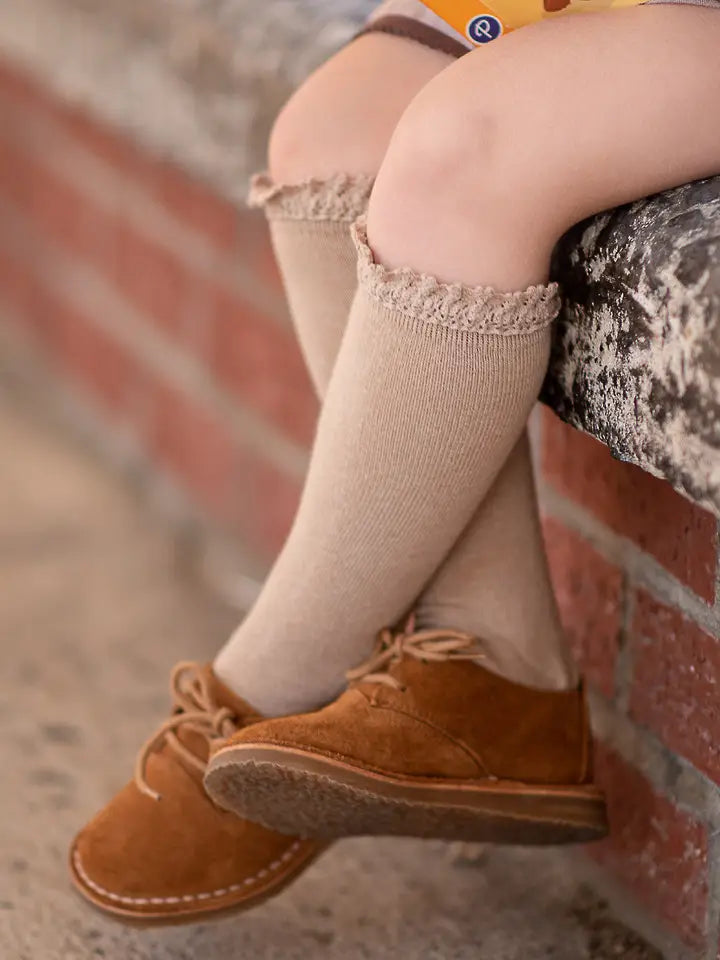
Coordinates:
x,y
412,19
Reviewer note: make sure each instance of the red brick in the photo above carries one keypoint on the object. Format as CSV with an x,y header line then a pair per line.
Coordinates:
x,y
25,123
114,148
24,288
589,592
680,535
193,203
91,356
258,360
676,683
196,205
56,209
16,180
657,850
53,204
268,502
151,278
231,480
18,86
18,283
70,218
145,273
193,444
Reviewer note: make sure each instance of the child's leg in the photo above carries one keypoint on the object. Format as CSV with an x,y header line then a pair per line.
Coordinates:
x,y
127,859
491,163
501,154
520,139
327,144
325,150
400,463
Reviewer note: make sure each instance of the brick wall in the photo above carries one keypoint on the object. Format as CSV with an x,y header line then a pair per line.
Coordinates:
x,y
634,567
157,306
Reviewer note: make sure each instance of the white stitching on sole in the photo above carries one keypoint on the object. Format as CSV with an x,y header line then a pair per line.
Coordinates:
x,y
188,897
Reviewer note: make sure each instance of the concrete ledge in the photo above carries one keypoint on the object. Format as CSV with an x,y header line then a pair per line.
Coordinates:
x,y
636,359
636,356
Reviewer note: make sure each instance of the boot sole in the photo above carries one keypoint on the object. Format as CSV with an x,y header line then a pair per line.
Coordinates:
x,y
300,793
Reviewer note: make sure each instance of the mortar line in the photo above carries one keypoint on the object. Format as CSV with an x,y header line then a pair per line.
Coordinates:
x,y
642,568
672,776
629,910
69,408
118,194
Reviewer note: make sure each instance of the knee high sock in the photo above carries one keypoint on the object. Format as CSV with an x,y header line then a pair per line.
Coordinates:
x,y
430,393
495,584
310,232
471,591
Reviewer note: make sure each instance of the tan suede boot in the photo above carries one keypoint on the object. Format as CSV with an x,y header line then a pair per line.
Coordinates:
x,y
161,851
427,743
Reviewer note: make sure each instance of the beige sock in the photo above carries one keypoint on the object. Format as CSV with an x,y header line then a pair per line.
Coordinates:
x,y
310,231
495,584
430,392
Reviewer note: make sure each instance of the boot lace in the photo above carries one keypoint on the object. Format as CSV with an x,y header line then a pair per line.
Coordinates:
x,y
194,710
425,645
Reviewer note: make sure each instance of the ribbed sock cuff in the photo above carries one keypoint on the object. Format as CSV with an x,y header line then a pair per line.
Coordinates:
x,y
454,305
342,198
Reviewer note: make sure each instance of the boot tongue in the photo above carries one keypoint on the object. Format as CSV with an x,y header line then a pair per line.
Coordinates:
x,y
222,696
243,712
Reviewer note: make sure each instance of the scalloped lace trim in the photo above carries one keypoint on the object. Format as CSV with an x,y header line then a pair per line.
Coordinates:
x,y
454,305
342,197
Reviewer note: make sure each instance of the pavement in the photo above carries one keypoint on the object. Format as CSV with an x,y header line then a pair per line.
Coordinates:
x,y
97,600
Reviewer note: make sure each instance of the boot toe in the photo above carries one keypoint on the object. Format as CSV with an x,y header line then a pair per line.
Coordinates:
x,y
178,858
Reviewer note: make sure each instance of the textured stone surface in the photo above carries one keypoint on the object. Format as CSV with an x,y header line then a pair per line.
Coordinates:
x,y
96,603
636,360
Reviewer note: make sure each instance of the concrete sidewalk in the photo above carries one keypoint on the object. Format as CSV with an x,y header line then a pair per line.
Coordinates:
x,y
96,603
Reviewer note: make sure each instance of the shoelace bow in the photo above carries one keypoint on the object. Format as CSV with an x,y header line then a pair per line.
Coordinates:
x,y
426,645
196,711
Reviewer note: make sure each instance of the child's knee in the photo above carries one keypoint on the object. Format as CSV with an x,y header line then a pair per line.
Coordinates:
x,y
341,119
482,142
304,144
436,164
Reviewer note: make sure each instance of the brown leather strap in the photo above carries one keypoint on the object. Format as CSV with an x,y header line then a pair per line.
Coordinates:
x,y
398,26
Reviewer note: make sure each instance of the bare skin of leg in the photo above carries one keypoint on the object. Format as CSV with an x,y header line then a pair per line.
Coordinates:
x,y
341,119
517,141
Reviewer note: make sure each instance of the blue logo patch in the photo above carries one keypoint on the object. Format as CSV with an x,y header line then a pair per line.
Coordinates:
x,y
483,29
